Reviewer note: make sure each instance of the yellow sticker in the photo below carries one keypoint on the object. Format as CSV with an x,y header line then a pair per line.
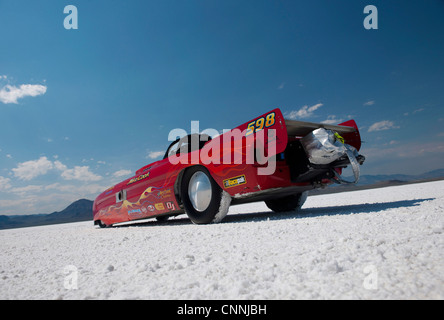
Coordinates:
x,y
159,206
236,181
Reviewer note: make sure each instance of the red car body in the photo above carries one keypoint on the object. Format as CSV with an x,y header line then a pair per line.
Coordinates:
x,y
156,190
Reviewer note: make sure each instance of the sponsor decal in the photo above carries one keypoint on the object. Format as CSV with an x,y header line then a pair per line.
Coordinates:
x,y
141,177
159,206
170,206
134,212
151,208
164,193
236,181
158,193
109,190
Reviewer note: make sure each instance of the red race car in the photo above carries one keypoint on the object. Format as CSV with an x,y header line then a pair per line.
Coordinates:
x,y
267,159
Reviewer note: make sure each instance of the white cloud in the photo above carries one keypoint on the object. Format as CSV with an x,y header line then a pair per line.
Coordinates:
x,y
27,190
34,199
155,154
332,120
80,173
122,173
30,169
304,112
12,203
10,94
81,191
60,166
281,86
404,150
369,103
4,183
414,111
418,110
382,125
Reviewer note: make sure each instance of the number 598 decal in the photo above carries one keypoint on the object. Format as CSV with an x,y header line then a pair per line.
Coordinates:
x,y
261,123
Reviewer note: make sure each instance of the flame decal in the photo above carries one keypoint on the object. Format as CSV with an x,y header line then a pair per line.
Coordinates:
x,y
124,207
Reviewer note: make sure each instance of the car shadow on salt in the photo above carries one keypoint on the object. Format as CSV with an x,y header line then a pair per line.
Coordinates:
x,y
303,213
326,211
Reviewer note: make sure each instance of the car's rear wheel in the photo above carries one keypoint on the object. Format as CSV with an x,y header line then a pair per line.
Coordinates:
x,y
292,202
204,201
162,218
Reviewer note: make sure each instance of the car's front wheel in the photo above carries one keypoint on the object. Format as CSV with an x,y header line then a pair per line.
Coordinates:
x,y
204,201
101,224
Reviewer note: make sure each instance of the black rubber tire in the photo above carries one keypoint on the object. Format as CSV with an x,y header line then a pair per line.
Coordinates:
x,y
289,203
162,218
209,214
101,224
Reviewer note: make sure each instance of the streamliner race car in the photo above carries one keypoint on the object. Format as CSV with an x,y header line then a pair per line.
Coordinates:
x,y
267,159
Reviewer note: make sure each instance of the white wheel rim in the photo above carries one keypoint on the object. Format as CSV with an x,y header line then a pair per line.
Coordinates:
x,y
199,191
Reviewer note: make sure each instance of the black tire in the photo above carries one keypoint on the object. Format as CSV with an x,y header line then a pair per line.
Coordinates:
x,y
162,218
289,203
218,200
101,224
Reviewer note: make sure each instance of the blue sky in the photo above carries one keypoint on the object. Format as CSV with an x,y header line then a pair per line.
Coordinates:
x,y
81,109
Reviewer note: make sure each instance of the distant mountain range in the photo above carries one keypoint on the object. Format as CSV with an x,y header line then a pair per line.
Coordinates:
x,y
81,210
383,180
372,179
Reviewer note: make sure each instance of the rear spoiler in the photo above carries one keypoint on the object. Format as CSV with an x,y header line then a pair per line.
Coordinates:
x,y
301,128
348,130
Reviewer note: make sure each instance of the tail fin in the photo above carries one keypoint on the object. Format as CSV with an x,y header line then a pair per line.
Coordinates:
x,y
352,138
